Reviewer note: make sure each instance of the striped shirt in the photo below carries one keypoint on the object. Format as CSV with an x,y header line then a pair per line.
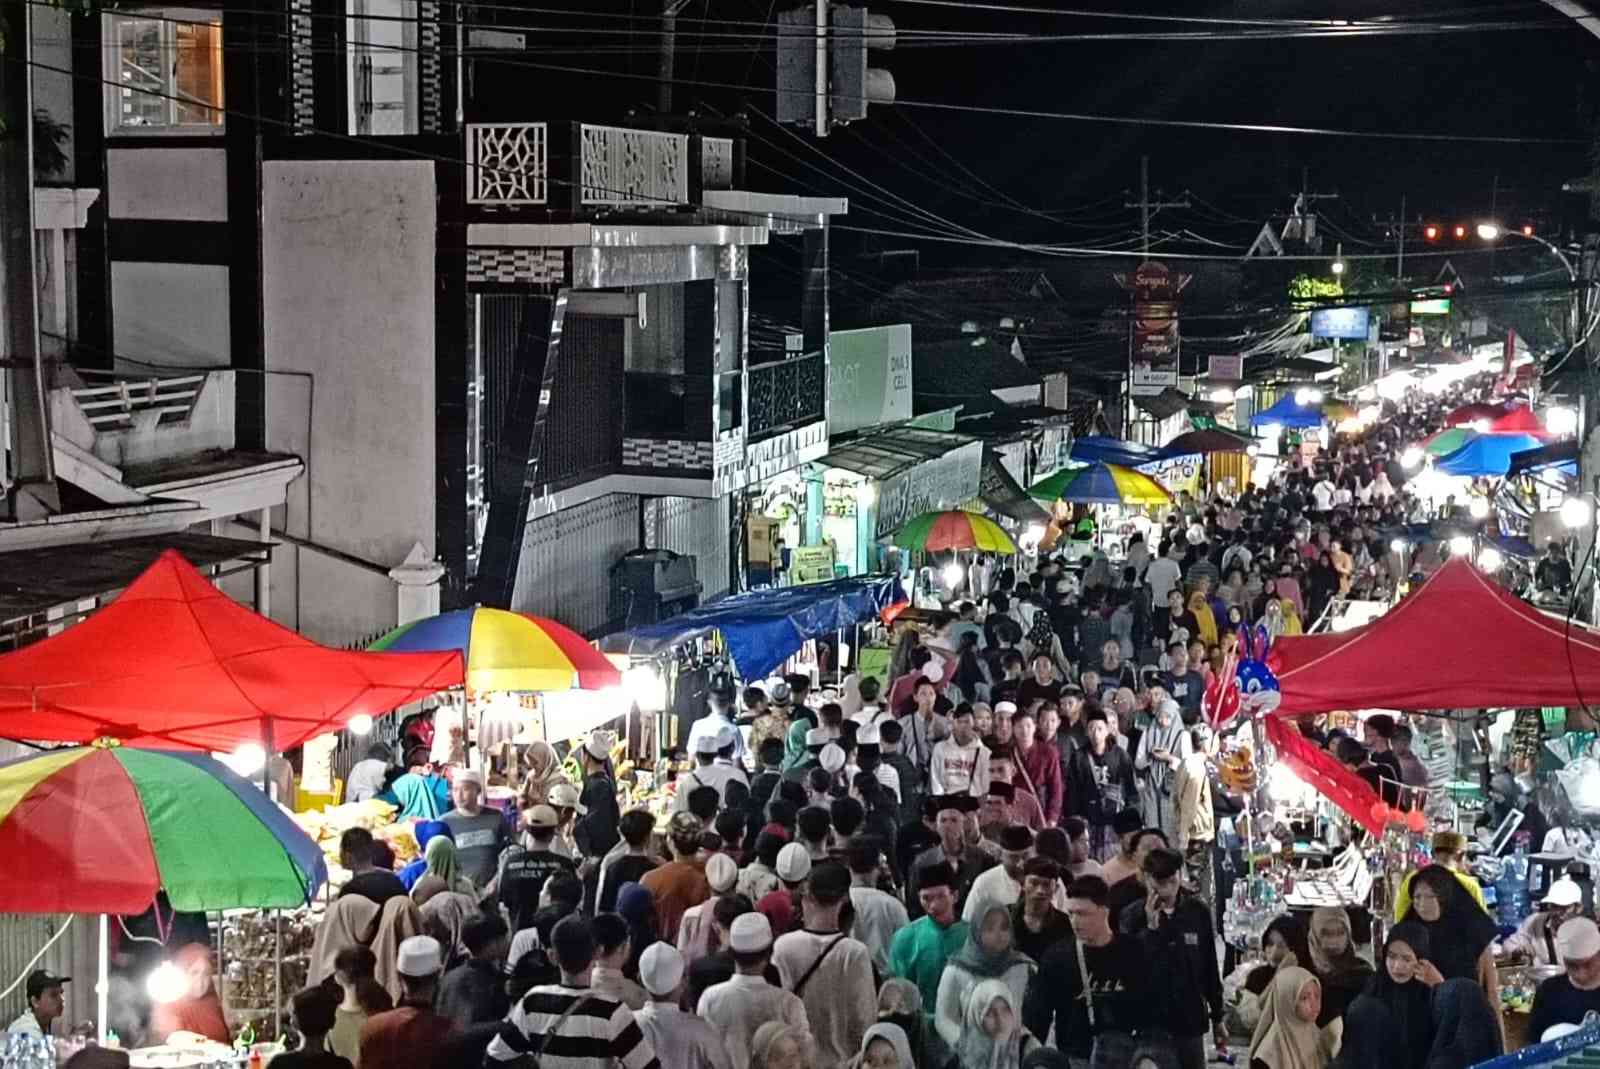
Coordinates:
x,y
599,1034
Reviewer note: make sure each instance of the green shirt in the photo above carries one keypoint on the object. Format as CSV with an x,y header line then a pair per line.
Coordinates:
x,y
918,953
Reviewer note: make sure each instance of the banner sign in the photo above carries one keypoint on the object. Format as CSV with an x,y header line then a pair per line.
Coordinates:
x,y
1226,368
1153,334
869,377
1349,324
1176,473
941,483
811,564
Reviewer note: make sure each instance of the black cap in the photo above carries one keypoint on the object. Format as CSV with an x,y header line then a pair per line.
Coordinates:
x,y
40,981
962,803
1016,838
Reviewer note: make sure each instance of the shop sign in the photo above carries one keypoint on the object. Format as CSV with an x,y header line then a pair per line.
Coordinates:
x,y
942,483
869,377
1153,341
737,463
811,564
1225,368
1176,473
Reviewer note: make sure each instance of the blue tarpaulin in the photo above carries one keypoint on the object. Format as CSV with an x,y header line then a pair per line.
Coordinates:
x,y
1485,454
1287,412
763,628
1096,449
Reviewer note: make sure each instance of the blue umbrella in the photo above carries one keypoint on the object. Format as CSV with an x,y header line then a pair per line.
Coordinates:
x,y
1485,454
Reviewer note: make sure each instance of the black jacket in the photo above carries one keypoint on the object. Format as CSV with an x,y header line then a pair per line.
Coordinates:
x,y
1183,950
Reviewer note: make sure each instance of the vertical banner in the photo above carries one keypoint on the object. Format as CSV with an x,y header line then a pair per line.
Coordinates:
x,y
1153,331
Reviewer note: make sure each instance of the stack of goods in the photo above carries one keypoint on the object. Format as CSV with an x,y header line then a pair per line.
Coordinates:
x,y
250,946
327,825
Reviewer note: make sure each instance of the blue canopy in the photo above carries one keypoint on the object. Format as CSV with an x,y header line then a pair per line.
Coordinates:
x,y
1096,449
1287,412
763,628
1485,454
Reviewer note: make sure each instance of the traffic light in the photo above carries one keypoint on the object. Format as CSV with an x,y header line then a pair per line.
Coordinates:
x,y
845,84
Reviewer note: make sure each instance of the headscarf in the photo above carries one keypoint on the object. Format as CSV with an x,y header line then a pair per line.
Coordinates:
x,y
1291,618
977,1049
1321,962
350,921
400,921
637,906
443,873
1204,618
1293,933
1282,1039
768,1034
896,1038
981,963
1456,940
900,1004
1409,1005
444,914
543,773
1468,1032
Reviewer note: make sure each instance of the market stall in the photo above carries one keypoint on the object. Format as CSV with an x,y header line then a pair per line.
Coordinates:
x,y
1119,492
1484,454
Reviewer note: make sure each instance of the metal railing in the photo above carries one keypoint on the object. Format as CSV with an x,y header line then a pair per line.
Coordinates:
x,y
507,163
785,393
112,407
621,166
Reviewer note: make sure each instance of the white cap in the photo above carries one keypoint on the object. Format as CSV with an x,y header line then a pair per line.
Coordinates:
x,y
727,735
661,968
750,933
468,775
721,873
832,757
565,796
599,745
1003,708
1578,940
1563,892
794,863
419,957
706,744
868,736
818,737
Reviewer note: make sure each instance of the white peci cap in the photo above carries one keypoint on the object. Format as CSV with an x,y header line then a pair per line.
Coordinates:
x,y
750,933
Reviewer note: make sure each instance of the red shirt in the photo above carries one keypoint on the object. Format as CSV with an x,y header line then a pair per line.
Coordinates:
x,y
202,1016
403,1038
1041,769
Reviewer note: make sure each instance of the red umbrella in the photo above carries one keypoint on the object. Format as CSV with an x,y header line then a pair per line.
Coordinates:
x,y
175,662
1519,420
1467,415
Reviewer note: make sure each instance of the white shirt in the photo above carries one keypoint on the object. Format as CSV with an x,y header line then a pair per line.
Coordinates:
x,y
992,886
841,1002
890,778
879,915
521,943
1322,494
739,1006
872,714
710,724
26,1025
957,769
681,1040
717,774
1163,574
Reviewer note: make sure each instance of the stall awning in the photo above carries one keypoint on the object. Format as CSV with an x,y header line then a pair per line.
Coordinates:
x,y
1562,455
1096,449
997,490
885,454
1485,454
1287,412
763,628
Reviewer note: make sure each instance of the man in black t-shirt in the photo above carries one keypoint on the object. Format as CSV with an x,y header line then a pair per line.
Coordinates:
x,y
524,870
1042,684
356,851
636,826
1183,683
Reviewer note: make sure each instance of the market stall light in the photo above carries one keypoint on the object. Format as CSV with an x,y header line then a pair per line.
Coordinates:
x,y
1411,458
248,759
1479,508
1561,420
1252,450
1491,559
360,724
1399,545
1488,231
1222,395
1460,546
1308,395
1575,512
952,574
167,983
642,684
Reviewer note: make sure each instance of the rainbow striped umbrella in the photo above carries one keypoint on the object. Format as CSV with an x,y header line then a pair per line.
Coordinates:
x,y
509,650
102,828
1106,484
1443,443
935,531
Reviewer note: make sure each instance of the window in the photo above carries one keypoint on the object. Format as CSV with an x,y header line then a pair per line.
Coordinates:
x,y
165,70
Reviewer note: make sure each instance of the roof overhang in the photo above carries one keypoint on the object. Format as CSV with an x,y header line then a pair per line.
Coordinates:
x,y
612,235
780,213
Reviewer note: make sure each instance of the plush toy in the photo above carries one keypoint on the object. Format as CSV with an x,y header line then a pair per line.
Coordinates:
x,y
1245,683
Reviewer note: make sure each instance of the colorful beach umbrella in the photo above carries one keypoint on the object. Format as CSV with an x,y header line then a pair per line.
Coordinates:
x,y
506,650
1102,484
934,531
105,827
1443,443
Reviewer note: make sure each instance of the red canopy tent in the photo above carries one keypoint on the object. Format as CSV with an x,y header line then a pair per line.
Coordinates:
x,y
1519,420
1459,641
174,662
1468,414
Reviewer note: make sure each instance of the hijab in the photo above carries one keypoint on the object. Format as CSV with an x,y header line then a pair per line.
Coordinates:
x,y
768,1034
900,1004
1282,1039
443,873
399,921
1409,1031
1468,1032
1457,938
976,1048
980,962
895,1036
445,914
349,922
1204,617
1293,933
544,771
1343,976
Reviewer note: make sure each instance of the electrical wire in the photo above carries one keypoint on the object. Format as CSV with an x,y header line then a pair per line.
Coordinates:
x,y
28,968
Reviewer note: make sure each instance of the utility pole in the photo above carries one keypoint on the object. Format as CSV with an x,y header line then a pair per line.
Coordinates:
x,y
1400,261
669,45
33,488
1148,207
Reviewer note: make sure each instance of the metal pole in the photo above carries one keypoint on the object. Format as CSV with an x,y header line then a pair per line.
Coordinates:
x,y
102,987
1400,264
277,974
820,89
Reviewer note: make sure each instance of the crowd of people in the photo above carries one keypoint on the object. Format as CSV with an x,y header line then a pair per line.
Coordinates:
x,y
1010,852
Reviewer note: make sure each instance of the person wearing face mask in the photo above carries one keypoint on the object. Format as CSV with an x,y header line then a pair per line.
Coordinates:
x,y
1340,973
1287,1036
1565,999
1536,937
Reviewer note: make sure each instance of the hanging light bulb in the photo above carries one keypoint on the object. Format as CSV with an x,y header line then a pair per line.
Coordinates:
x,y
1479,508
248,759
1460,546
360,724
1491,559
167,983
953,574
